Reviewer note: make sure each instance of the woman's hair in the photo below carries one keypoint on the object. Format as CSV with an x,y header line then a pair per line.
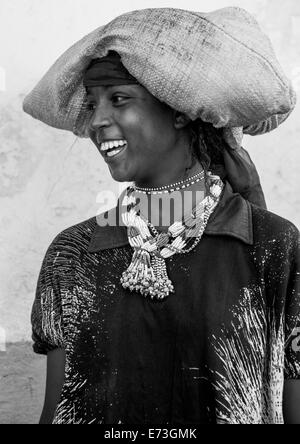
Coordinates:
x,y
208,144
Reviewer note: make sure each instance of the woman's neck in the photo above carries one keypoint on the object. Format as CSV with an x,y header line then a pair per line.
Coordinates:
x,y
173,178
162,210
182,165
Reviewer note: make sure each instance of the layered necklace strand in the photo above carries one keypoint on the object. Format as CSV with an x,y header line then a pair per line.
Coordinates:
x,y
147,272
173,187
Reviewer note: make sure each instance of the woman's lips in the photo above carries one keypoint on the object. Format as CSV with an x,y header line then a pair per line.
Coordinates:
x,y
116,156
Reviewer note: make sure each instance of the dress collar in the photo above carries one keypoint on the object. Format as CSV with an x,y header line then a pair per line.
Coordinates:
x,y
232,217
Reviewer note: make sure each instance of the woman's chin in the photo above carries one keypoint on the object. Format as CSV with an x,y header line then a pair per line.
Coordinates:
x,y
120,176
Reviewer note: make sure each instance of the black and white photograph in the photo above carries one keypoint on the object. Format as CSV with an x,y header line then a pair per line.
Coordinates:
x,y
149,214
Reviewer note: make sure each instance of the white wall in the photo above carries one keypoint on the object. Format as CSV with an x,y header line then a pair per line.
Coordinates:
x,y
49,180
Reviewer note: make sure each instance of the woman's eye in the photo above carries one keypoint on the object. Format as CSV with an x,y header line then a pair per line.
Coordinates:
x,y
118,99
91,106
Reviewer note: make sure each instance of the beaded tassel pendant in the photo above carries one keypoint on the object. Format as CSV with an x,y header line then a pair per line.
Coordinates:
x,y
147,272
147,275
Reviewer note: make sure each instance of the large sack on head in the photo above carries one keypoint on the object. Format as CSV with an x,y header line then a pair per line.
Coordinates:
x,y
219,67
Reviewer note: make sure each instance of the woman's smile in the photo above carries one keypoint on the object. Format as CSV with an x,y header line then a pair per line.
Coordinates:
x,y
114,154
110,148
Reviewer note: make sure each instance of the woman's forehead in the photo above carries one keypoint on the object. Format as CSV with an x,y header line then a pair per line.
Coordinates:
x,y
102,90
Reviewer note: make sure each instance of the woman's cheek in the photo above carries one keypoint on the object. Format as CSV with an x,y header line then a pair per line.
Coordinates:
x,y
133,119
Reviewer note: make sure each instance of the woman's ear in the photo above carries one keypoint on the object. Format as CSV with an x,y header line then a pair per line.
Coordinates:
x,y
181,120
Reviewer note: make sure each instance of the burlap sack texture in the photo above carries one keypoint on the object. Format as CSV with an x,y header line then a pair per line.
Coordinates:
x,y
218,66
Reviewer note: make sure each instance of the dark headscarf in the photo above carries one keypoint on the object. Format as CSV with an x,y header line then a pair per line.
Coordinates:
x,y
108,71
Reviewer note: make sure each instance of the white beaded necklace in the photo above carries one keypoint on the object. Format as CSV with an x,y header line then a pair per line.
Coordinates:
x,y
147,272
173,187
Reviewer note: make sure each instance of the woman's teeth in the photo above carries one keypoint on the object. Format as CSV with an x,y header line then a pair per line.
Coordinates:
x,y
112,144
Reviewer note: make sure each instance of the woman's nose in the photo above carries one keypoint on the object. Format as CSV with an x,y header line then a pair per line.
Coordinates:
x,y
101,118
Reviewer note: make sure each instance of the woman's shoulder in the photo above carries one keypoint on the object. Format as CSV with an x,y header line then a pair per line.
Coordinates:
x,y
269,227
73,240
82,229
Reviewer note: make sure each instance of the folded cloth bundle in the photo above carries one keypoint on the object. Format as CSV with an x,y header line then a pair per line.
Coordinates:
x,y
219,67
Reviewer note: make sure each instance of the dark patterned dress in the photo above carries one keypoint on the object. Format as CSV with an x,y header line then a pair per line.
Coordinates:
x,y
215,351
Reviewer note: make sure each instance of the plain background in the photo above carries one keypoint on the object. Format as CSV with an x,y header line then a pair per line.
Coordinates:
x,y
50,180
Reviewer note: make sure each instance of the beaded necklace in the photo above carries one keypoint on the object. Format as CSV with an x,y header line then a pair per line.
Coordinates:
x,y
173,187
147,272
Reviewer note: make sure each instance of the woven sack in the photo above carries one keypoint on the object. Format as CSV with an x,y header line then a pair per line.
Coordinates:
x,y
216,66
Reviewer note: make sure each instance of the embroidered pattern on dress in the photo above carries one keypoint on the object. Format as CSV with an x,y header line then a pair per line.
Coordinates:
x,y
252,384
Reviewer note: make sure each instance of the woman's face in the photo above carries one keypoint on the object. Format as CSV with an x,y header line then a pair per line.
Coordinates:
x,y
153,152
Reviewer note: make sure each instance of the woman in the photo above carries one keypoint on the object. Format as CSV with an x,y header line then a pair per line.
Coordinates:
x,y
171,314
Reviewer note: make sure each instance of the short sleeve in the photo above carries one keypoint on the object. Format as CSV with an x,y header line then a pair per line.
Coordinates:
x,y
292,316
47,316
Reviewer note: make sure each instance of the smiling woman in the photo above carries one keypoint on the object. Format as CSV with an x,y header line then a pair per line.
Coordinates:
x,y
179,314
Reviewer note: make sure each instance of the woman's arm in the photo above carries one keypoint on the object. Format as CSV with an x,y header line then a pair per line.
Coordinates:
x,y
54,383
291,402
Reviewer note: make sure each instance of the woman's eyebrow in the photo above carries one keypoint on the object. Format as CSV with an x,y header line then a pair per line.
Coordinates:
x,y
108,88
122,88
131,90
